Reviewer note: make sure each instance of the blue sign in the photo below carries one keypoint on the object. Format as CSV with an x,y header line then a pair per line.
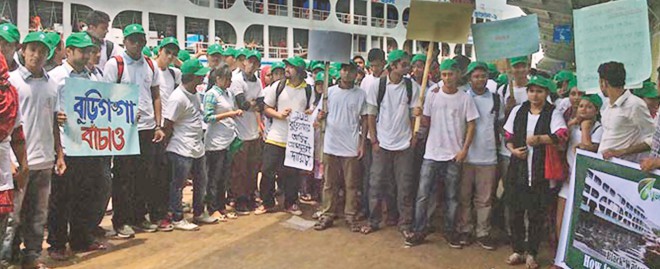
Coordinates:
x,y
563,34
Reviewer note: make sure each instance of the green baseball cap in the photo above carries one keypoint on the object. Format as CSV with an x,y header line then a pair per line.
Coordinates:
x,y
418,57
9,32
474,65
594,99
311,64
519,60
296,61
193,66
229,52
36,37
132,29
648,90
53,39
147,52
169,41
543,82
564,75
318,66
334,73
79,40
319,77
154,51
214,49
241,52
277,65
183,55
502,79
573,83
254,53
492,68
449,64
395,55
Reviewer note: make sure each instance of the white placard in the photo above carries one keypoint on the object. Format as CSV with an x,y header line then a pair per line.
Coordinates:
x,y
329,46
300,142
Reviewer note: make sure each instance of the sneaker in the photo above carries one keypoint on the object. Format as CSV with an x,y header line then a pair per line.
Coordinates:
x,y
464,239
204,218
184,225
454,241
486,242
146,227
165,225
125,231
58,254
294,210
243,211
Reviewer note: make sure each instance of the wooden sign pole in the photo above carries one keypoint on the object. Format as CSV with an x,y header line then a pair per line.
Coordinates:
x,y
425,79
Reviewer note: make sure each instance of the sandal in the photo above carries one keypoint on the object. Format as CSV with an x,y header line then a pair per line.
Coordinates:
x,y
531,262
354,227
515,259
367,229
323,223
231,215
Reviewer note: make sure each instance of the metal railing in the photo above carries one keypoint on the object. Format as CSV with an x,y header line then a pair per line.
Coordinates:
x,y
360,20
301,12
377,22
391,23
224,4
320,15
278,10
344,17
405,23
278,52
255,6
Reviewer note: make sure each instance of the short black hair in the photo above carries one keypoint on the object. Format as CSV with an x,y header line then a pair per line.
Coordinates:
x,y
614,73
358,57
376,54
97,17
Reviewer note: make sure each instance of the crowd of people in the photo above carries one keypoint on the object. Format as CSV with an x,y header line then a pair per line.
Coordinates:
x,y
223,129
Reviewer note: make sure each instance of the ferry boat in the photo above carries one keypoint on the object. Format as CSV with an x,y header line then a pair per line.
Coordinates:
x,y
278,28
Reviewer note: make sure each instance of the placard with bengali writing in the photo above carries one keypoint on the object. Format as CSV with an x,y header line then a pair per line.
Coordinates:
x,y
101,118
300,142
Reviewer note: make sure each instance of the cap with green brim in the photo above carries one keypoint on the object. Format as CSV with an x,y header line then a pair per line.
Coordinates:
x,y
311,64
154,51
573,83
319,78
254,53
296,61
564,75
594,99
277,65
241,52
318,66
147,52
477,65
183,55
543,83
52,39
394,56
214,49
9,32
333,72
648,90
449,65
229,52
39,37
492,68
169,41
133,29
194,67
79,40
418,57
519,60
502,79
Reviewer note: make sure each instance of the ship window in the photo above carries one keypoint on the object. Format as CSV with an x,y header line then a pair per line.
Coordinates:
x,y
204,3
598,181
226,35
392,16
595,193
606,187
9,10
197,33
343,10
224,4
392,44
601,207
78,15
163,25
587,188
301,9
277,37
127,17
277,7
256,6
405,17
321,10
300,42
46,15
377,15
254,35
359,44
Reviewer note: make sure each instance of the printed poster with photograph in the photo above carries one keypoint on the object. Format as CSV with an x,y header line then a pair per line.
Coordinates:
x,y
614,220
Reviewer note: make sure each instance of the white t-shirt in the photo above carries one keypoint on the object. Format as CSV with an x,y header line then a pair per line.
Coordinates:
x,y
139,73
393,125
266,120
293,98
38,104
219,134
6,180
167,83
556,123
491,85
246,125
116,50
449,114
483,150
574,140
365,85
184,110
345,108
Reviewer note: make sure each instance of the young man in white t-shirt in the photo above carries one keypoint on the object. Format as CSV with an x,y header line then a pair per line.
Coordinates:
x,y
293,97
246,88
37,94
449,117
74,195
391,129
479,174
134,176
343,147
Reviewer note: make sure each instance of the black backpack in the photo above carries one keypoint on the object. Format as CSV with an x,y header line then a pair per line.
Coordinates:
x,y
280,89
109,46
173,77
382,86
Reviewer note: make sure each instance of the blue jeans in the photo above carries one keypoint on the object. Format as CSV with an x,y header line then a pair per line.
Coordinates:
x,y
181,168
34,213
218,173
432,171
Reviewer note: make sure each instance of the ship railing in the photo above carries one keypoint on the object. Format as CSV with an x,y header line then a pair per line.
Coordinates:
x,y
256,6
278,52
224,4
278,10
377,22
320,15
360,19
301,12
344,17
391,23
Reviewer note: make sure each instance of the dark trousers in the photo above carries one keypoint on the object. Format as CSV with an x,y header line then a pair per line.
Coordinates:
x,y
273,164
244,171
73,201
218,167
392,168
534,231
133,189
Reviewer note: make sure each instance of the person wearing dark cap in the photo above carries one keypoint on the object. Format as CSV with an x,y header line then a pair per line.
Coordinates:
x,y
98,23
132,191
530,127
9,43
627,123
73,195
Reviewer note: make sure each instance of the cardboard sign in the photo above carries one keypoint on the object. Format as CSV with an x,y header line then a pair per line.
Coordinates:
x,y
329,46
441,22
101,118
507,38
613,31
300,142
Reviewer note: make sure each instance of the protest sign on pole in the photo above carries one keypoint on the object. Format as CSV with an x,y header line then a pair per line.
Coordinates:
x,y
507,38
611,218
101,118
300,142
613,31
437,22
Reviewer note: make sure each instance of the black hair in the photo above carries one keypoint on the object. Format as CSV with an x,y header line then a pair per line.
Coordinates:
x,y
376,54
185,78
358,57
97,17
221,71
614,73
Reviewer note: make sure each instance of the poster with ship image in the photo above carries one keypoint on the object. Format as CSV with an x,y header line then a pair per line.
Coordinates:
x,y
612,217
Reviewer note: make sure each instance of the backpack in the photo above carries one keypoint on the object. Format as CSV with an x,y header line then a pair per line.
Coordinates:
x,y
173,77
120,66
382,86
280,89
109,47
497,103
